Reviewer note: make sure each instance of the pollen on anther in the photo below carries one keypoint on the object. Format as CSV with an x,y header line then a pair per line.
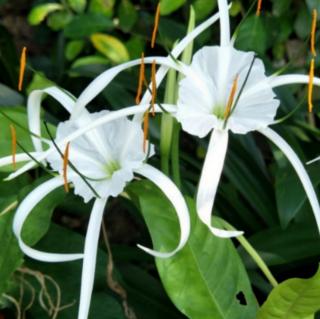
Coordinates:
x,y
65,167
145,130
23,59
231,97
259,6
141,79
154,87
14,145
313,32
156,25
310,85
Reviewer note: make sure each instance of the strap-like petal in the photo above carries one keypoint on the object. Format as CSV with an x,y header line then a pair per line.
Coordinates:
x,y
132,110
33,109
178,202
209,181
224,23
299,168
24,211
90,257
21,157
276,81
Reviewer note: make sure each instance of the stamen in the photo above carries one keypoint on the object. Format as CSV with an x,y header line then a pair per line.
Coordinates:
x,y
156,25
231,97
313,32
145,130
23,60
14,145
310,86
154,86
141,79
259,6
65,167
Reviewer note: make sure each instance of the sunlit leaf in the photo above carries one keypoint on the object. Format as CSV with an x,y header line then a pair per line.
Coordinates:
x,y
40,12
169,6
77,5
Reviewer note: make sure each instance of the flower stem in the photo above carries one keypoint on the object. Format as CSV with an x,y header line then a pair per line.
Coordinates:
x,y
253,254
175,154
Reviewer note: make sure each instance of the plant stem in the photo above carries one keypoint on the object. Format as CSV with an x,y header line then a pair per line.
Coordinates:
x,y
253,254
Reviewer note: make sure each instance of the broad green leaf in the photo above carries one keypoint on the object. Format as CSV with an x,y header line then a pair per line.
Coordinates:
x,y
86,24
90,66
110,47
127,15
279,8
303,22
77,5
294,298
58,20
135,46
207,277
104,7
39,220
203,8
252,35
10,97
314,4
40,12
169,6
73,49
11,256
39,82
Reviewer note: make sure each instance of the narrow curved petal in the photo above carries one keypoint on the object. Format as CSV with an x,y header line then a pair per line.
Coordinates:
x,y
90,257
276,81
24,211
224,23
132,110
178,202
209,181
33,110
22,157
299,168
100,82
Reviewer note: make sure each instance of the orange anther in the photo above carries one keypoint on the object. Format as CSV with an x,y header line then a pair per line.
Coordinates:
x,y
154,86
65,167
310,86
156,25
231,97
313,32
14,145
145,130
141,79
23,59
259,6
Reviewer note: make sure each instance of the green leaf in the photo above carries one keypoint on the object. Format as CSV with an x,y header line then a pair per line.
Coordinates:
x,y
73,49
86,24
40,12
205,279
294,298
39,82
110,47
302,23
90,66
169,6
203,8
10,97
104,7
252,35
77,5
127,15
58,20
314,4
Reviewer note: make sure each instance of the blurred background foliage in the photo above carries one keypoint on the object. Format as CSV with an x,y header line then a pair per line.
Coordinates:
x,y
69,43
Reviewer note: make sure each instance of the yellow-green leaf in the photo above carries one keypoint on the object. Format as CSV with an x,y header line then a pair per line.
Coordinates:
x,y
110,47
77,5
40,12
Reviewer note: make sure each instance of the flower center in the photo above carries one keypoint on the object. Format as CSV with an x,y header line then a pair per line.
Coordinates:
x,y
111,167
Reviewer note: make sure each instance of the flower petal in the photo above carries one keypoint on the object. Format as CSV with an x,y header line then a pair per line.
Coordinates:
x,y
299,168
281,80
178,202
90,257
209,181
22,157
224,23
100,82
33,109
24,211
111,116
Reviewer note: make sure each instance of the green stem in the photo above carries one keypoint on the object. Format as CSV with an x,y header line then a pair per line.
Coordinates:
x,y
253,254
175,154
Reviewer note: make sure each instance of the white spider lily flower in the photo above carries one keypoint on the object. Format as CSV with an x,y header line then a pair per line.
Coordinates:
x,y
228,90
108,157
